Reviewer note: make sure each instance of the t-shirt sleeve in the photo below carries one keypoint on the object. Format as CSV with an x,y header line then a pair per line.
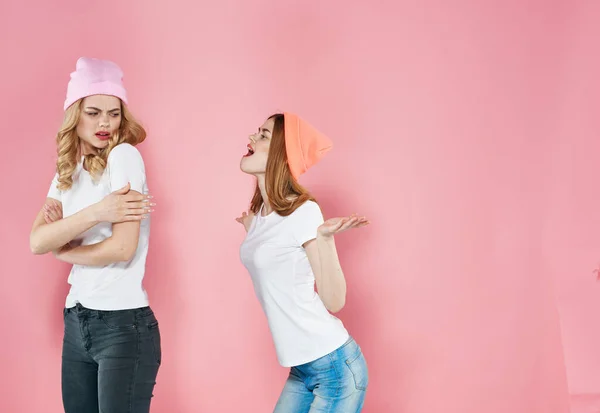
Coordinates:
x,y
54,192
125,164
308,217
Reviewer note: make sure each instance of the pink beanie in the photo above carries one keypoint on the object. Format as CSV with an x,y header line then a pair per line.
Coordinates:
x,y
95,77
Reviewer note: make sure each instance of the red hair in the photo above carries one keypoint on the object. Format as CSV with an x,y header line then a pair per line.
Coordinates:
x,y
284,192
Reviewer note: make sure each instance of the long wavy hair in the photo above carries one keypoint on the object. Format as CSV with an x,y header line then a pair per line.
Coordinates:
x,y
69,146
284,192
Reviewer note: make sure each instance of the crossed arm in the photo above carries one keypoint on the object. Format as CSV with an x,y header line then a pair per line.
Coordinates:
x,y
52,232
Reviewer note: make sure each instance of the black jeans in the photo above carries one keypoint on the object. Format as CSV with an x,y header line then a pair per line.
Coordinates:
x,y
110,360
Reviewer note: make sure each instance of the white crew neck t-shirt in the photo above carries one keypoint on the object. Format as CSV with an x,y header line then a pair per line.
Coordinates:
x,y
116,286
302,328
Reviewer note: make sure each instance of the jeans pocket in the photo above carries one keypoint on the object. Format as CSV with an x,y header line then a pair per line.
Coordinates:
x,y
155,337
122,320
358,367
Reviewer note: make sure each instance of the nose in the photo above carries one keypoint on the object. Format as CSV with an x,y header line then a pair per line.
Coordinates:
x,y
104,122
252,138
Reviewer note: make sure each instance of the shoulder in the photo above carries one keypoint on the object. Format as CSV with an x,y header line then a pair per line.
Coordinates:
x,y
124,151
309,206
308,209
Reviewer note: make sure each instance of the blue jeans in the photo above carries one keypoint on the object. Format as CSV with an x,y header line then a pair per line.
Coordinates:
x,y
335,383
110,360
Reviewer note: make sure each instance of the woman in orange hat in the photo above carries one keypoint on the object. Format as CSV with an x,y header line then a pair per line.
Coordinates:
x,y
288,247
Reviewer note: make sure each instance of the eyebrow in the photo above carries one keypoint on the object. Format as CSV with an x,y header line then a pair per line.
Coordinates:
x,y
99,110
263,130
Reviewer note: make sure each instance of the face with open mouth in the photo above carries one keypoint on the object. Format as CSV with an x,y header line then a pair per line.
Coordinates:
x,y
254,162
99,121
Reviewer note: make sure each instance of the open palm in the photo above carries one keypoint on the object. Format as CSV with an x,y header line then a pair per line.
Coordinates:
x,y
338,225
246,220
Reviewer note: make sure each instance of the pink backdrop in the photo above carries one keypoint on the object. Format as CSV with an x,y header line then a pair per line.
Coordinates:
x,y
572,214
464,132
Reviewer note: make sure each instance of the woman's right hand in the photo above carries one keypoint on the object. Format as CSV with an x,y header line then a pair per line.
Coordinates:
x,y
122,206
245,220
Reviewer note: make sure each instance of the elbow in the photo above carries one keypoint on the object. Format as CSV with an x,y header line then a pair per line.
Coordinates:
x,y
35,247
126,255
35,250
336,306
127,252
120,249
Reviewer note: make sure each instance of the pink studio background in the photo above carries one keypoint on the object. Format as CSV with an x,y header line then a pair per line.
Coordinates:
x,y
465,132
572,214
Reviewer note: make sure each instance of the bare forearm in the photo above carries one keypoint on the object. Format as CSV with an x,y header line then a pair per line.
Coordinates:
x,y
103,253
50,237
331,284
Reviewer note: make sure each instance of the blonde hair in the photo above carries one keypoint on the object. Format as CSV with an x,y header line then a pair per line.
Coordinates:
x,y
68,144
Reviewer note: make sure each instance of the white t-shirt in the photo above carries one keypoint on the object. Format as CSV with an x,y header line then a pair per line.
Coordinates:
x,y
115,286
302,328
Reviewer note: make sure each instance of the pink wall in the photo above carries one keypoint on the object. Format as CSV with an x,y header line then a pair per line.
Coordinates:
x,y
572,214
440,115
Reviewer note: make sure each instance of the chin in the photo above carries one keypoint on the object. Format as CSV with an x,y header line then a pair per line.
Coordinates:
x,y
247,169
100,144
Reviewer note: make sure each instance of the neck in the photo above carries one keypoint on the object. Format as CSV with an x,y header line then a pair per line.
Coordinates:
x,y
263,191
86,149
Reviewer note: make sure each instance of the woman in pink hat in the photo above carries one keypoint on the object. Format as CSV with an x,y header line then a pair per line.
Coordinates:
x,y
288,246
95,219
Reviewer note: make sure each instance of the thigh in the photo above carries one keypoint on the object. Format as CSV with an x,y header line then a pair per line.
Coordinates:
x,y
79,372
295,397
128,360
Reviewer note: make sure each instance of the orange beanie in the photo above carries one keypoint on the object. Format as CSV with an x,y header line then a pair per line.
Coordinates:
x,y
305,146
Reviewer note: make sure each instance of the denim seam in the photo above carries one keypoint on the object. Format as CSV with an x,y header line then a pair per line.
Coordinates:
x,y
153,341
135,370
339,381
350,339
86,336
354,357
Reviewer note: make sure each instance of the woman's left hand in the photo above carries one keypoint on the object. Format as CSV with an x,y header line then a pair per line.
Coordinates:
x,y
52,212
338,225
